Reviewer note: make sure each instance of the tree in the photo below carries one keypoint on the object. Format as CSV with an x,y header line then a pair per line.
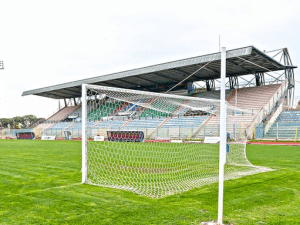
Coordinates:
x,y
4,122
29,120
18,122
26,121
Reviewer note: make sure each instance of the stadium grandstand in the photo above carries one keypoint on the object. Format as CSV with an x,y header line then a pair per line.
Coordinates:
x,y
257,81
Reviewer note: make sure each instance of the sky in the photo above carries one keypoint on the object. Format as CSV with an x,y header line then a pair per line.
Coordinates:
x,y
44,43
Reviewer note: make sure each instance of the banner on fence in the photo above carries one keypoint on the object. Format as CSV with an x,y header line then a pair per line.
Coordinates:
x,y
99,138
49,138
211,140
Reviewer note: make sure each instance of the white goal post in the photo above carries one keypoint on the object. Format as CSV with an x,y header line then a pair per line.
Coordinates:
x,y
153,142
223,141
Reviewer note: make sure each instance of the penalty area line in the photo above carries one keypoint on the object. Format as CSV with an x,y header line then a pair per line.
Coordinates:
x,y
46,189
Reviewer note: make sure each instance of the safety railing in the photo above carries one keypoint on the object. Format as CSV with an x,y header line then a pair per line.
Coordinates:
x,y
278,131
268,107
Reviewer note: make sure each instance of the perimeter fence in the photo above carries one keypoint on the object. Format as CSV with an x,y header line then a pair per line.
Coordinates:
x,y
278,131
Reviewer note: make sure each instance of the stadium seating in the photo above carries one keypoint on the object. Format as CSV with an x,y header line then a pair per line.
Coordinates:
x,y
77,125
112,124
63,113
137,124
183,126
130,108
211,94
42,126
288,124
251,98
289,116
254,98
57,129
76,114
61,125
185,122
147,125
104,110
151,113
150,120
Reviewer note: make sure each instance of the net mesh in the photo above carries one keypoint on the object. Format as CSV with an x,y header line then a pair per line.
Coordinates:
x,y
153,143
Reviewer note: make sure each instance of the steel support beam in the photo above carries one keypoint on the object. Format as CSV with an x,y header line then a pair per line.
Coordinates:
x,y
211,70
238,66
50,95
289,75
150,81
111,85
127,82
167,77
186,74
69,94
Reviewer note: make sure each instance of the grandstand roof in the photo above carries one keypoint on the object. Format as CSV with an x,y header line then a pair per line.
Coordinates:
x,y
161,76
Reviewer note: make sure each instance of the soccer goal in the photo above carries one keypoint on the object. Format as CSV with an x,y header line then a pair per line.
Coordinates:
x,y
156,144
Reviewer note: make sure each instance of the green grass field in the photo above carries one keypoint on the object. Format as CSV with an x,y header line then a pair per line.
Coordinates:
x,y
40,184
161,169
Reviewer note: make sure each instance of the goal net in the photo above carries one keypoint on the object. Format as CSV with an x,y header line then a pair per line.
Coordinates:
x,y
157,144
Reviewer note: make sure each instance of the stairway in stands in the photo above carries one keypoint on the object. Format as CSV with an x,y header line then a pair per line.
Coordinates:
x,y
251,98
63,113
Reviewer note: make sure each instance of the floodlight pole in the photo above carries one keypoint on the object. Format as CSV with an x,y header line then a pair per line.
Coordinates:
x,y
83,141
222,159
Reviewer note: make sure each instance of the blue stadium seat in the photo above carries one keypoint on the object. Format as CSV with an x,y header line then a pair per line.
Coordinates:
x,y
288,124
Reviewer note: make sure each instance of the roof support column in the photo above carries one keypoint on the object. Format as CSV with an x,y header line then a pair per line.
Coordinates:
x,y
190,88
233,82
260,79
75,103
210,85
290,77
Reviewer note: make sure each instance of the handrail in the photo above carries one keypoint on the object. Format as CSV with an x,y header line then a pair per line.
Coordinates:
x,y
266,109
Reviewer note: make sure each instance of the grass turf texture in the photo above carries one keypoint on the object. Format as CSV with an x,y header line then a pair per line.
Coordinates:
x,y
40,184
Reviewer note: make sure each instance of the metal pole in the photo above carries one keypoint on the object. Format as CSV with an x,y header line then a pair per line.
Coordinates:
x,y
222,137
277,130
83,141
179,132
235,130
288,91
168,130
